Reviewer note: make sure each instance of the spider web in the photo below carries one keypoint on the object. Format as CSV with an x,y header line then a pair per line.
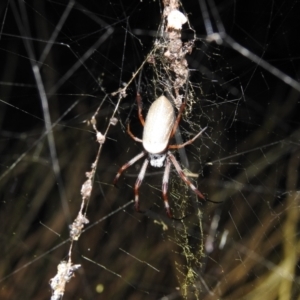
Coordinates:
x,y
70,57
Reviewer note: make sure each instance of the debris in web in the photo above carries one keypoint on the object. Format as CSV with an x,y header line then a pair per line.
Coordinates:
x,y
174,50
65,271
169,55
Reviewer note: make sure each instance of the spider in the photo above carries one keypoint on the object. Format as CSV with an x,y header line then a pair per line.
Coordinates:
x,y
159,127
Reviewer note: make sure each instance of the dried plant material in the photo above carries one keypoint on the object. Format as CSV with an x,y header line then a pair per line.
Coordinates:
x,y
65,271
176,19
113,121
100,137
175,50
77,226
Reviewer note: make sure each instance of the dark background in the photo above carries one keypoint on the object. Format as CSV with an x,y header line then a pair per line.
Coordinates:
x,y
248,158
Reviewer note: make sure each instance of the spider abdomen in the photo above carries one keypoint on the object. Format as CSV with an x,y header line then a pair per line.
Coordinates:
x,y
158,126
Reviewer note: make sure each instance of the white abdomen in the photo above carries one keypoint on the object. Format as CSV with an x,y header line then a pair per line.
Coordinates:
x,y
158,126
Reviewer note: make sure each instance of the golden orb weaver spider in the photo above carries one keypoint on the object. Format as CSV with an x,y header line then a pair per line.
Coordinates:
x,y
159,127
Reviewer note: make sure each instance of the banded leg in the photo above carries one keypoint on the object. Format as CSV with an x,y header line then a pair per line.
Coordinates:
x,y
139,182
139,104
183,177
188,142
128,164
132,135
176,123
165,184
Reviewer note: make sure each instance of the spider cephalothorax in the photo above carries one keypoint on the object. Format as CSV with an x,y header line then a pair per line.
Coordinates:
x,y
159,127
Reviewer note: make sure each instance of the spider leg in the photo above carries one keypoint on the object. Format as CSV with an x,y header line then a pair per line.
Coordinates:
x,y
183,177
181,109
131,134
138,184
139,100
139,103
128,164
176,123
165,186
188,142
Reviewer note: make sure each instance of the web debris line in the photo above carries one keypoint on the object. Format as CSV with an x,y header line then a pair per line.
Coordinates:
x,y
66,269
77,227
